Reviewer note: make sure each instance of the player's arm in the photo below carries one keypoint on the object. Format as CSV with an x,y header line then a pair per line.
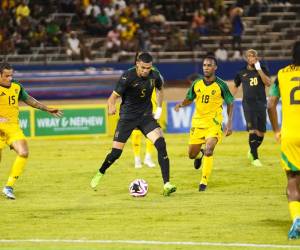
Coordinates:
x,y
228,129
272,112
237,82
111,103
159,100
184,103
38,105
264,77
190,96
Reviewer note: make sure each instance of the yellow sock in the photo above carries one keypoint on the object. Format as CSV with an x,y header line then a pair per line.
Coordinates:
x,y
294,208
136,142
149,147
16,170
206,169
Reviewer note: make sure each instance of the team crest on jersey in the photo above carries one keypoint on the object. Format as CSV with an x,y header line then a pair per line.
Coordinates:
x,y
16,91
152,82
213,92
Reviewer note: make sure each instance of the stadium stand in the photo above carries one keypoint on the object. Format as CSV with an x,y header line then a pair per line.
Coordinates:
x,y
37,31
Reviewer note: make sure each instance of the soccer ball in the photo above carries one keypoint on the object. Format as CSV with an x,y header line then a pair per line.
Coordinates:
x,y
138,188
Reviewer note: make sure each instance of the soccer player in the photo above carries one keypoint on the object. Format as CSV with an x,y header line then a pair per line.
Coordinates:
x,y
11,92
135,87
208,92
254,78
287,86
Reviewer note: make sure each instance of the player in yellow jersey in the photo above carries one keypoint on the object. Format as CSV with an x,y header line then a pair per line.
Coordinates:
x,y
11,92
136,139
208,92
287,86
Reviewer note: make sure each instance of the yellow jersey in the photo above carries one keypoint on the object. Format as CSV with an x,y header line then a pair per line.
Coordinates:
x,y
9,101
208,99
287,86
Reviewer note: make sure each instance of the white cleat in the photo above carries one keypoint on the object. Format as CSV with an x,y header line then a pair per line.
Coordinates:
x,y
148,162
137,162
9,193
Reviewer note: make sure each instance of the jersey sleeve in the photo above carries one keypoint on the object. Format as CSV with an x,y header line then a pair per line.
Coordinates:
x,y
274,89
237,80
265,70
121,85
228,97
159,79
191,95
23,95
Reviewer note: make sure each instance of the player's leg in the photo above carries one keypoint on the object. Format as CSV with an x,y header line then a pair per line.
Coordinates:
x,y
122,133
152,130
260,129
17,141
290,161
251,121
207,162
148,155
136,137
196,140
21,148
293,194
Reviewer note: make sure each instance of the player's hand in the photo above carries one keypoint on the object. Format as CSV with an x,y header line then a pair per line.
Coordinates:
x,y
228,129
55,112
157,113
278,136
177,107
257,65
112,109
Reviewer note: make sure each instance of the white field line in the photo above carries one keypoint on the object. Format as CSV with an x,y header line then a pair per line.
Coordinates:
x,y
145,242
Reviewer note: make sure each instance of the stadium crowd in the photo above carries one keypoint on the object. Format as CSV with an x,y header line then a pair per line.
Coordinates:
x,y
124,25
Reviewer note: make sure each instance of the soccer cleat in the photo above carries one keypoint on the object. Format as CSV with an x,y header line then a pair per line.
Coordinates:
x,y
250,156
96,179
9,192
294,232
202,187
256,163
197,162
148,162
137,162
168,189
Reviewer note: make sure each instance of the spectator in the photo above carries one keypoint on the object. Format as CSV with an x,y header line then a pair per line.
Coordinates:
x,y
221,53
237,27
22,11
113,42
92,8
76,49
237,55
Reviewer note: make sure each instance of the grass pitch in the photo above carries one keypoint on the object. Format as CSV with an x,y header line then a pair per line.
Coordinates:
x,y
242,204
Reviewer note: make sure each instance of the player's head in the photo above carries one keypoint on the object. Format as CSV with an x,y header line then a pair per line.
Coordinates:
x,y
251,56
296,53
6,73
143,64
210,66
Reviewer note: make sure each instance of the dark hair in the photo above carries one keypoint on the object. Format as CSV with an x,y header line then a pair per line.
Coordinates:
x,y
296,53
211,57
3,66
144,57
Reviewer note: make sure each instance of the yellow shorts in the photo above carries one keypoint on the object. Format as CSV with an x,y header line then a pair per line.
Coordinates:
x,y
10,133
199,135
290,154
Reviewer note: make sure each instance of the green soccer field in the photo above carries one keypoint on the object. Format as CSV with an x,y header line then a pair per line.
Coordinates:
x,y
56,207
